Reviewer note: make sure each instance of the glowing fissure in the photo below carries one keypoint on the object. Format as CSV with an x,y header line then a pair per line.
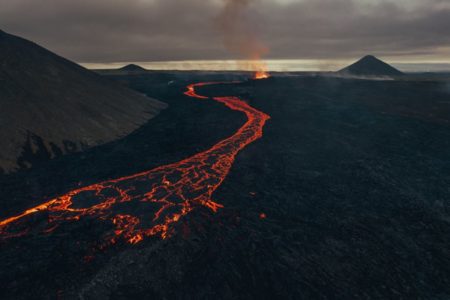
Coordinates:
x,y
148,203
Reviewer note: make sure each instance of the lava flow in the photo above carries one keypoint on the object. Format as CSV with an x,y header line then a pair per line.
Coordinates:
x,y
148,203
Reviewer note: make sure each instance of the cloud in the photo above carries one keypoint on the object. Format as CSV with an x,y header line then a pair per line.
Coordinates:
x,y
145,30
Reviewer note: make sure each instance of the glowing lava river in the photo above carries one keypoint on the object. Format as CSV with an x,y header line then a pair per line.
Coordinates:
x,y
149,203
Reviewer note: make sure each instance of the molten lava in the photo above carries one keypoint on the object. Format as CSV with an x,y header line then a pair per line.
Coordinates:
x,y
149,203
261,75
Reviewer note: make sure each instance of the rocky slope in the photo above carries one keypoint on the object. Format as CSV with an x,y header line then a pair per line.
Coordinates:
x,y
50,106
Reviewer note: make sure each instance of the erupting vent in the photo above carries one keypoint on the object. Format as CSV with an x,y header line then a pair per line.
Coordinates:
x,y
261,75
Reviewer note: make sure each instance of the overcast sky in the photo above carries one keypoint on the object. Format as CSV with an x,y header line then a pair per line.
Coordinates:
x,y
156,30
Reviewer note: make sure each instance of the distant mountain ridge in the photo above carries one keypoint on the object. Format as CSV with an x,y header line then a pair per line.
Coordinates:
x,y
50,105
370,66
133,68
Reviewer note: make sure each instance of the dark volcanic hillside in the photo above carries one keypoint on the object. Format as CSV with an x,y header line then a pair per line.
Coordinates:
x,y
370,66
51,106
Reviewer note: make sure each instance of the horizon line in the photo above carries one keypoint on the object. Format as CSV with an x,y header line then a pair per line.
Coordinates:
x,y
273,65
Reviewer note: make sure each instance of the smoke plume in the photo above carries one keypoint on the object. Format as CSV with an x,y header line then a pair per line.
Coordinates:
x,y
240,35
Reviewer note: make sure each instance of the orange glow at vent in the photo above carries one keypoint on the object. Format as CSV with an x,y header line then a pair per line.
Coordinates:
x,y
261,75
